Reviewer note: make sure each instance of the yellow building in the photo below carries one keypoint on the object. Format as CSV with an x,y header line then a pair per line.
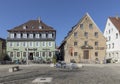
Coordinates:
x,y
85,43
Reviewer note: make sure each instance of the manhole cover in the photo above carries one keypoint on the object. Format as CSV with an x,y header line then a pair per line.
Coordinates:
x,y
42,80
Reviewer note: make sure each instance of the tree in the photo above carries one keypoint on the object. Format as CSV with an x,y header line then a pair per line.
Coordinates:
x,y
54,59
6,58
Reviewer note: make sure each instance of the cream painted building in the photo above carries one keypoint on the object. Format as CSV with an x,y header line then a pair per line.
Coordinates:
x,y
85,43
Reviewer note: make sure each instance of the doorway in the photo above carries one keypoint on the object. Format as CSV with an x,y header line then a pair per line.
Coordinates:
x,y
86,54
30,56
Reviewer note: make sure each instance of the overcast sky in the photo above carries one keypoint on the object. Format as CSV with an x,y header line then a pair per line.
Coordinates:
x,y
62,15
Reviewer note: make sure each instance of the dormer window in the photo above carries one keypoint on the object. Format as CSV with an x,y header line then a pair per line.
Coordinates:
x,y
40,27
32,27
24,27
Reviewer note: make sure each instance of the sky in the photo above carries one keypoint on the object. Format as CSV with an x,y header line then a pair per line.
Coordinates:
x,y
62,15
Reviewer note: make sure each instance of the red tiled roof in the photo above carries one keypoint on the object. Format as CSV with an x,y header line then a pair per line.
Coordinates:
x,y
116,22
32,25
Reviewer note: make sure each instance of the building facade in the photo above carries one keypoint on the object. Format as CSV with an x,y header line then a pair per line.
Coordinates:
x,y
85,43
112,34
33,40
2,48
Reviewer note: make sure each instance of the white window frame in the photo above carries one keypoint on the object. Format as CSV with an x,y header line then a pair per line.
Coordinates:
x,y
18,44
43,35
30,35
12,35
24,35
50,35
30,44
37,44
37,36
18,35
50,44
44,44
24,44
11,44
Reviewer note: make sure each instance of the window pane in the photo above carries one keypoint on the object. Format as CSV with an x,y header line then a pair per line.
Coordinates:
x,y
11,54
24,54
75,53
75,34
81,26
86,34
18,54
90,26
75,43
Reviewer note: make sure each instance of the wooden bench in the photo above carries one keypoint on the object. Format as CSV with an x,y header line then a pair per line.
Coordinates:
x,y
14,68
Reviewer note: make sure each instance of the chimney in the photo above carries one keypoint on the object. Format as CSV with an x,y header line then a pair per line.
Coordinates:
x,y
117,17
39,19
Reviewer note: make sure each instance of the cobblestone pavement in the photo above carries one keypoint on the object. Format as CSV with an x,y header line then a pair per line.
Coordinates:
x,y
95,74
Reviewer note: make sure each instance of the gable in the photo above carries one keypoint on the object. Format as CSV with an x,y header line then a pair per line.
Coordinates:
x,y
110,28
88,26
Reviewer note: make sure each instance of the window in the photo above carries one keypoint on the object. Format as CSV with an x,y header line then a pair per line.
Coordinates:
x,y
96,53
43,35
75,53
49,35
24,54
24,27
112,45
109,38
36,35
96,43
50,44
18,35
75,43
37,44
18,54
24,35
31,44
37,54
81,26
86,34
109,31
40,27
18,44
11,35
11,44
43,54
44,44
96,34
116,35
109,55
109,46
86,43
50,54
117,54
11,54
24,43
90,26
75,34
30,35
